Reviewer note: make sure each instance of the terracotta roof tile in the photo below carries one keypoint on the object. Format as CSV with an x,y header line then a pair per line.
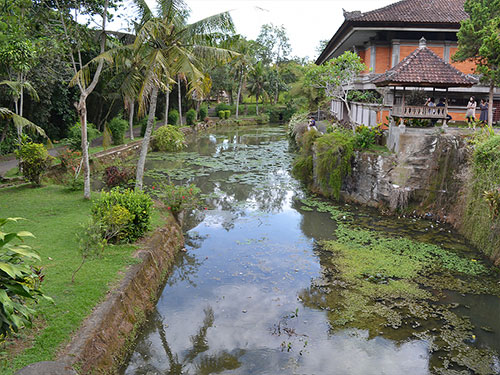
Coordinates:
x,y
413,11
424,68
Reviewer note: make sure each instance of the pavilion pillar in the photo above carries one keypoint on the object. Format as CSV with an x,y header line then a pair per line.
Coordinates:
x,y
402,125
445,121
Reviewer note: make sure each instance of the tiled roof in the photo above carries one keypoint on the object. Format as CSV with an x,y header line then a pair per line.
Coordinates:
x,y
415,11
424,68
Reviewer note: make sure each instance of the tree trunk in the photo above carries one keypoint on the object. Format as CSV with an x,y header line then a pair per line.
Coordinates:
x,y
257,104
4,132
167,103
180,100
145,142
239,94
490,104
131,118
82,113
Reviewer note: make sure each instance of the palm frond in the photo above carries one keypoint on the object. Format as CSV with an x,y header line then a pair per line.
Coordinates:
x,y
21,122
221,22
5,113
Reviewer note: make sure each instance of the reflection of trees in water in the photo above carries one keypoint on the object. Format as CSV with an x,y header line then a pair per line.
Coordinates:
x,y
207,364
185,269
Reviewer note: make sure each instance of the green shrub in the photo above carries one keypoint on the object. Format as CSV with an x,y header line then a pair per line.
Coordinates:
x,y
19,281
191,117
222,107
168,138
137,203
364,138
173,117
487,152
203,113
34,161
227,113
118,126
178,198
221,114
75,135
262,119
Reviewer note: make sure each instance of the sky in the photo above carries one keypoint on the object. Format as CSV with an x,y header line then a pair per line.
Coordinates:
x,y
307,21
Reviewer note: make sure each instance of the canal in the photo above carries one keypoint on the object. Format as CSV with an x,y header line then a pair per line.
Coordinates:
x,y
275,281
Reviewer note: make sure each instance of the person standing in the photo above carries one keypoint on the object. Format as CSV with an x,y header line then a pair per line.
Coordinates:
x,y
470,115
483,106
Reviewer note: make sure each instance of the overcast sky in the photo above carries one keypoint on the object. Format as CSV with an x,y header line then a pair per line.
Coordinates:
x,y
306,21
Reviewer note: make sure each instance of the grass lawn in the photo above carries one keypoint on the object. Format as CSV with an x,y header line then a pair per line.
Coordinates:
x,y
53,215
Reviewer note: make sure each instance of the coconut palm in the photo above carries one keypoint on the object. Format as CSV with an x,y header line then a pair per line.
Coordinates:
x,y
19,122
257,81
165,47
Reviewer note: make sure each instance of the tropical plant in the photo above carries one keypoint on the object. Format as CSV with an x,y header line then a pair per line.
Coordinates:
x,y
19,122
173,117
166,47
256,83
203,113
478,40
75,136
190,117
178,198
115,175
118,127
19,281
34,160
168,138
335,77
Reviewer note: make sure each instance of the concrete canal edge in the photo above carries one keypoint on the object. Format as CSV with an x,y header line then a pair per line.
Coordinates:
x,y
105,337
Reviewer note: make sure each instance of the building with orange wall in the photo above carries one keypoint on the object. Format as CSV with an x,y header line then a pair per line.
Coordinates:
x,y
385,36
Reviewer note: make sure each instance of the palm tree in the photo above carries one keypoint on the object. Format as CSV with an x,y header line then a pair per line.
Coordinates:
x,y
257,82
19,122
165,46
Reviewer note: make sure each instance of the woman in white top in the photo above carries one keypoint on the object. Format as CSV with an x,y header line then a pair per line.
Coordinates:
x,y
470,115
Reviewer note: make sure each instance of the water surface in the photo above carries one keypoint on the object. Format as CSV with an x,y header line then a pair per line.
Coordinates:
x,y
234,303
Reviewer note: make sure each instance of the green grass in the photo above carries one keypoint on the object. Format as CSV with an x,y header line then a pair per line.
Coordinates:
x,y
53,215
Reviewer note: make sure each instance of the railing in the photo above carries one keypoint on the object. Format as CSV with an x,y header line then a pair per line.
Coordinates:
x,y
410,111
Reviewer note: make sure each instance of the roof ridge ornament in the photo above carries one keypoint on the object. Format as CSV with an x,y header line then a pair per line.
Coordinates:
x,y
422,43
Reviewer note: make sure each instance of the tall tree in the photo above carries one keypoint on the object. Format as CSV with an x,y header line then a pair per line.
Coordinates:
x,y
257,80
166,46
479,40
335,77
82,75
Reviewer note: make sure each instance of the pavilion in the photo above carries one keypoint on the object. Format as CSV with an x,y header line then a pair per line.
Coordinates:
x,y
422,68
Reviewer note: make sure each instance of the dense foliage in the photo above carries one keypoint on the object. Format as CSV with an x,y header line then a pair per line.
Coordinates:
x,y
178,198
480,218
191,116
173,117
123,214
168,138
118,127
19,281
34,160
75,135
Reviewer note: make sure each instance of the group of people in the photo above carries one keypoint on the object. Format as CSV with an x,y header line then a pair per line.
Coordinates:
x,y
470,115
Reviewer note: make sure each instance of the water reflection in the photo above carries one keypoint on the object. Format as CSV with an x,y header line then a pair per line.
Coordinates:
x,y
253,292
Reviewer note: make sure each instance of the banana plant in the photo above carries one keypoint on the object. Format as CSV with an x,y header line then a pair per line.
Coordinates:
x,y
19,281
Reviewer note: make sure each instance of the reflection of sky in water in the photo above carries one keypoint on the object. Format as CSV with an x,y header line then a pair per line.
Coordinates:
x,y
249,256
